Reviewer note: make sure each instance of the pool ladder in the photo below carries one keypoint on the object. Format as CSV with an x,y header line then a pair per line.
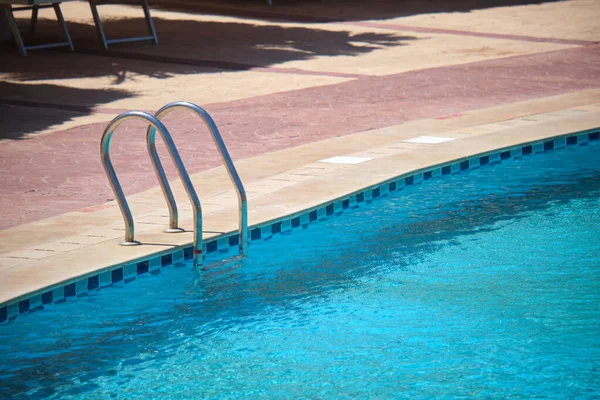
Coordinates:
x,y
156,125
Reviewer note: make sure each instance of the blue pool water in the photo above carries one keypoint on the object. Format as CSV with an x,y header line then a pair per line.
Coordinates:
x,y
481,284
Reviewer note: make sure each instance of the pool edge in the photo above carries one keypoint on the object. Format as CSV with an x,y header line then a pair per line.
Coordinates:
x,y
123,273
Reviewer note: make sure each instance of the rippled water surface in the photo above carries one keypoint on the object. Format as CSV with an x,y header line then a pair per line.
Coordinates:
x,y
482,284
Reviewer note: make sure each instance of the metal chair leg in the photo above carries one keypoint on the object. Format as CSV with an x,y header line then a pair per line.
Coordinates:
x,y
62,23
15,29
105,42
151,29
98,23
34,18
9,11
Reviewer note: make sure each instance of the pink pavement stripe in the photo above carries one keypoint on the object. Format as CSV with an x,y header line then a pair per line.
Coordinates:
x,y
50,174
443,117
298,71
420,29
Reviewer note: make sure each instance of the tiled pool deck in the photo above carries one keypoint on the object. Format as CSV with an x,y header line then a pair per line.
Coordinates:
x,y
279,114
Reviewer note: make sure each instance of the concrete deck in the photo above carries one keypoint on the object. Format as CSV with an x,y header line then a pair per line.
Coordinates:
x,y
287,86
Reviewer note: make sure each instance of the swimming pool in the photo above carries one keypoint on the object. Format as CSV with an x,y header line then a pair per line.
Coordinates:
x,y
480,284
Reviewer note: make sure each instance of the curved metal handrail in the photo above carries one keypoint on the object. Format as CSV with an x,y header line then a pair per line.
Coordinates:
x,y
118,191
218,140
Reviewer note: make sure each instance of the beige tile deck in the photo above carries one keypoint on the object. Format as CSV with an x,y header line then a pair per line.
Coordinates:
x,y
61,249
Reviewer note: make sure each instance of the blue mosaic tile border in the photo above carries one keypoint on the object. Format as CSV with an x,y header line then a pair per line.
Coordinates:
x,y
126,273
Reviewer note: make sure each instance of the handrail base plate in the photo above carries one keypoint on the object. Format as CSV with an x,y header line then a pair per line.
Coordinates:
x,y
173,230
132,243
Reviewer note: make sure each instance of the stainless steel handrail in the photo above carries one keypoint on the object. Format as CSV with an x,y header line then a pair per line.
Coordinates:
x,y
118,191
218,140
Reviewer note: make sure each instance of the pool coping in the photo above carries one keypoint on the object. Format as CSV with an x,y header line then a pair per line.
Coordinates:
x,y
80,286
